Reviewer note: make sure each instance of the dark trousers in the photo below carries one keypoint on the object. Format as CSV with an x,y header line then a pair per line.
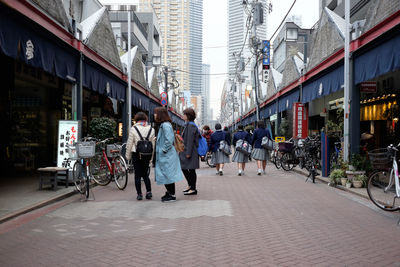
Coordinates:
x,y
141,171
170,188
191,178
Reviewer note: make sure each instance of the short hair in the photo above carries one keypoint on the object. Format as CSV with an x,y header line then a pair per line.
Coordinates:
x,y
206,127
240,127
162,114
140,116
218,126
260,124
190,114
226,128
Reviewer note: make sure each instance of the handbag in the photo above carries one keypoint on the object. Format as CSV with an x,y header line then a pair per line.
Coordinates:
x,y
243,147
267,143
224,147
178,143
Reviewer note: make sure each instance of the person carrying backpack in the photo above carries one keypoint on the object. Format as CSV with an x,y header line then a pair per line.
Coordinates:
x,y
140,147
189,158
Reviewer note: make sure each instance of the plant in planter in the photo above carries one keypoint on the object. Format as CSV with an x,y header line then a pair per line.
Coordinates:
x,y
102,128
335,176
348,183
358,165
359,180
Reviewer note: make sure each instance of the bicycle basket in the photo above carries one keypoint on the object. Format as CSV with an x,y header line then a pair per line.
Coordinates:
x,y
72,152
285,147
113,150
86,149
380,158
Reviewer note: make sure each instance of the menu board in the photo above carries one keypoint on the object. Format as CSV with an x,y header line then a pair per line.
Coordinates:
x,y
68,135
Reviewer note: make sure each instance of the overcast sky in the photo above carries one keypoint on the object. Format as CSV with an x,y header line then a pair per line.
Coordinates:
x,y
215,34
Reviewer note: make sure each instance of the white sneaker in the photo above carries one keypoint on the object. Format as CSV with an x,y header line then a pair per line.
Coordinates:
x,y
264,172
259,172
240,172
216,172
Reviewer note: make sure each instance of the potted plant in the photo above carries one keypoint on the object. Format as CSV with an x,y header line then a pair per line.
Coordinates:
x,y
348,183
358,166
335,176
359,180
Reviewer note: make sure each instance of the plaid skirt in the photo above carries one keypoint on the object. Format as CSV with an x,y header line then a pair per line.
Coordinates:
x,y
259,154
219,158
240,157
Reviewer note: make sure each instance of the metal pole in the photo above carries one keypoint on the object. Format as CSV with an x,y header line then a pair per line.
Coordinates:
x,y
129,90
256,65
241,101
346,82
166,83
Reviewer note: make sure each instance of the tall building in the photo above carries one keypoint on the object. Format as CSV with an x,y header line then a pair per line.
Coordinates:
x,y
196,45
181,28
205,93
237,29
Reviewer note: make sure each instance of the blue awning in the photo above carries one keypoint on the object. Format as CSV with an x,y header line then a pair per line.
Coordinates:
x,y
153,105
381,59
175,119
326,84
268,110
99,80
286,101
140,100
38,47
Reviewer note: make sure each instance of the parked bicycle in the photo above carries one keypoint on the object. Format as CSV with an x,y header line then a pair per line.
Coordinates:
x,y
208,160
105,170
336,154
82,175
383,185
311,156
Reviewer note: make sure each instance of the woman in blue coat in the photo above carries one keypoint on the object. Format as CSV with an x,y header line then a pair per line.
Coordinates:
x,y
168,168
239,156
259,153
218,158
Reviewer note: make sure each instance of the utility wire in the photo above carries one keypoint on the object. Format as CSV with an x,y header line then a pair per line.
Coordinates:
x,y
283,20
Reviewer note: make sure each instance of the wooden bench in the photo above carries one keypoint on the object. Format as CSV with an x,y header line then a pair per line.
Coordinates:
x,y
51,176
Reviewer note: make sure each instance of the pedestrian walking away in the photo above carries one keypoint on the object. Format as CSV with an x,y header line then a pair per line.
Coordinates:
x,y
259,153
189,158
219,158
141,135
240,157
168,168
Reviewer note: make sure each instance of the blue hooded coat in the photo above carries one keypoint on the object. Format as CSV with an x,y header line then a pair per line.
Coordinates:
x,y
168,168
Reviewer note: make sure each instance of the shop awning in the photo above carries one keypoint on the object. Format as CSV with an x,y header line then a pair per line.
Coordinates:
x,y
268,110
176,119
381,59
286,101
140,100
37,47
103,82
326,84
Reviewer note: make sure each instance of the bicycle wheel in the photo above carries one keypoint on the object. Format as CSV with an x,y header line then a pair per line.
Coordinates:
x,y
287,161
78,177
208,161
87,187
99,170
277,160
120,173
381,190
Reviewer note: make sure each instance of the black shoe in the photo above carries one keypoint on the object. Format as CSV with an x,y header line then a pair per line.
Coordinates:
x,y
139,197
168,198
190,192
186,190
149,195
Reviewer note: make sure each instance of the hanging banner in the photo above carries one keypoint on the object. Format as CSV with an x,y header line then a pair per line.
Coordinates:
x,y
68,132
300,121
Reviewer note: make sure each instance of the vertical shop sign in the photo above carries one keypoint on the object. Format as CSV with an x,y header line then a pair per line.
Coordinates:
x,y
67,136
300,121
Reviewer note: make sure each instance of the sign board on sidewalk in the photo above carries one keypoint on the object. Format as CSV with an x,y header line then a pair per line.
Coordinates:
x,y
368,87
68,133
300,121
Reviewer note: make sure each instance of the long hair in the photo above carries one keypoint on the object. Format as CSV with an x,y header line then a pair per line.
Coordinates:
x,y
162,115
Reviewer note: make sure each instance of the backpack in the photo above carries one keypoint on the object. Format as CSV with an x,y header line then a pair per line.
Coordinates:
x,y
203,146
144,147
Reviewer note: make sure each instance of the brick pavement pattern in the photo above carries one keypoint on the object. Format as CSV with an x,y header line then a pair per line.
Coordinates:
x,y
271,220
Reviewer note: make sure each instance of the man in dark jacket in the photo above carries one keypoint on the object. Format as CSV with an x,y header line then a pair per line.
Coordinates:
x,y
189,158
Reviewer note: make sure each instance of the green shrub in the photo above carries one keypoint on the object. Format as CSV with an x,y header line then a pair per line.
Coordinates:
x,y
102,128
335,176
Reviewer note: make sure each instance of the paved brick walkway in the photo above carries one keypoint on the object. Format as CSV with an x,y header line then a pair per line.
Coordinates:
x,y
271,220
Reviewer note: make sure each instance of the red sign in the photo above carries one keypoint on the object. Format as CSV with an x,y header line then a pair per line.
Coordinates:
x,y
368,87
300,121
